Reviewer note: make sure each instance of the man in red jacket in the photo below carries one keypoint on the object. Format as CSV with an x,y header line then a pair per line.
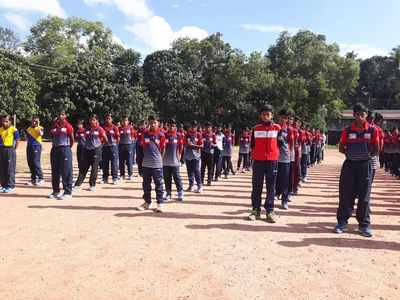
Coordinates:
x,y
265,153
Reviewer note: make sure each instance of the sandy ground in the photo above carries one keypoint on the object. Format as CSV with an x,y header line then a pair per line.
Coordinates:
x,y
97,246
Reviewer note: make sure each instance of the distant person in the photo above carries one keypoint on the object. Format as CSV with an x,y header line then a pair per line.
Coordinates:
x,y
34,135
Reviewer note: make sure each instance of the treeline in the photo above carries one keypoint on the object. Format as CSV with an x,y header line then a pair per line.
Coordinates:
x,y
78,66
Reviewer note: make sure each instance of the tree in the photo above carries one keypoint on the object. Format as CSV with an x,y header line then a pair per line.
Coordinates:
x,y
18,87
8,39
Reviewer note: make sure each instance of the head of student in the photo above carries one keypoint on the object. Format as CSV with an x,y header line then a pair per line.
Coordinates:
x,y
125,121
360,113
62,117
284,116
153,123
171,124
35,121
378,119
108,119
6,121
94,121
266,113
193,125
79,124
208,127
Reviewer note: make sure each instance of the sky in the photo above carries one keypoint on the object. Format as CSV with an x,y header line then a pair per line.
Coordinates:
x,y
367,27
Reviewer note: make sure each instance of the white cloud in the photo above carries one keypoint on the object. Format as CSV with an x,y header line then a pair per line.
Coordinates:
x,y
157,34
130,8
175,6
17,20
118,41
48,7
362,50
270,28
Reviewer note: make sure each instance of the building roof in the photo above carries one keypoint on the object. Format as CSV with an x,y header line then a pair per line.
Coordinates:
x,y
386,113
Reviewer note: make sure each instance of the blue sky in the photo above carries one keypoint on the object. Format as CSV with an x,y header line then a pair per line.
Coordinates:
x,y
368,27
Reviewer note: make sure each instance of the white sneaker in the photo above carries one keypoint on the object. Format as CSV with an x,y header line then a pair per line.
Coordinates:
x,y
29,183
64,197
160,208
180,196
76,188
54,195
199,190
115,182
144,206
92,189
40,182
130,178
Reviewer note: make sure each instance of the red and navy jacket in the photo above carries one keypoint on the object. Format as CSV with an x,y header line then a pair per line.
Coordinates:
x,y
173,149
209,140
80,136
264,141
95,137
153,143
127,135
112,133
61,134
358,141
193,137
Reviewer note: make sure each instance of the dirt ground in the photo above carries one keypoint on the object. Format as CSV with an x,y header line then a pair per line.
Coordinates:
x,y
97,246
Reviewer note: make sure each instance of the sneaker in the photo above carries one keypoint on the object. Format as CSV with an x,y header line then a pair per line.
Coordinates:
x,y
340,228
130,178
8,190
54,195
64,197
30,183
160,208
144,206
209,183
254,215
103,181
167,197
189,189
40,182
180,196
226,177
271,218
233,173
92,189
115,182
1,190
76,188
365,231
216,179
199,190
285,205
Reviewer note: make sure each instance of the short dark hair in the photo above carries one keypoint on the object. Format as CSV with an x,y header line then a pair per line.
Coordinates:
x,y
171,121
284,112
378,117
359,107
266,108
194,123
207,124
151,118
93,116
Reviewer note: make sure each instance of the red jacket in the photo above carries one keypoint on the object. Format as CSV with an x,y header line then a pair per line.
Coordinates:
x,y
265,141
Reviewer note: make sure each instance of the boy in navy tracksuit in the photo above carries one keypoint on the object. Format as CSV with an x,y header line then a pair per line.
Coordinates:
x,y
61,157
9,140
193,146
265,152
95,137
359,142
285,142
227,143
139,148
244,151
153,145
80,140
207,153
217,168
171,160
110,151
126,143
34,136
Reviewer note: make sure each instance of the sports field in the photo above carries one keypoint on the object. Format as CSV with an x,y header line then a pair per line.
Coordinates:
x,y
98,246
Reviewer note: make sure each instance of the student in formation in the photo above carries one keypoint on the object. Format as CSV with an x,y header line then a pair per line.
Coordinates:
x,y
228,143
61,157
153,145
80,140
285,142
110,151
95,137
265,153
126,143
139,149
193,146
217,168
359,142
207,153
172,160
9,140
34,135
244,151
